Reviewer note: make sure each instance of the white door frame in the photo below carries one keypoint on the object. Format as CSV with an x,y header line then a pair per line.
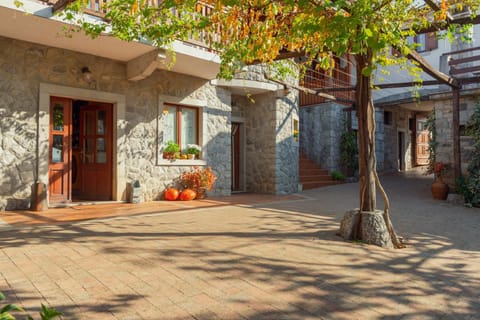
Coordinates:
x,y
119,110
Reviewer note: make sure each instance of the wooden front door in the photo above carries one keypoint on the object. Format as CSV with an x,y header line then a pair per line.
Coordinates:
x,y
95,165
59,168
422,153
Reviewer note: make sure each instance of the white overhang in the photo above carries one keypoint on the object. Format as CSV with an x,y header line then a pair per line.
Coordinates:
x,y
35,23
244,86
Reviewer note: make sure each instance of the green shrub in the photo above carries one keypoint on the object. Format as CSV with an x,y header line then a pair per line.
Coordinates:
x,y
337,175
470,185
349,151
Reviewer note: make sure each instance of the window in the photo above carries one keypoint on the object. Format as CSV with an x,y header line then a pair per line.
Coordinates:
x,y
411,124
180,124
425,41
387,118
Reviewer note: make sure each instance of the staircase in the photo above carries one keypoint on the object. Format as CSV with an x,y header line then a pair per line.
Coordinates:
x,y
312,176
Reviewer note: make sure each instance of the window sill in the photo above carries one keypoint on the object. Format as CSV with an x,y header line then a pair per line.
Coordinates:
x,y
181,162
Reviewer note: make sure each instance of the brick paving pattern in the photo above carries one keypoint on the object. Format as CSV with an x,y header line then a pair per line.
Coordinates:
x,y
273,258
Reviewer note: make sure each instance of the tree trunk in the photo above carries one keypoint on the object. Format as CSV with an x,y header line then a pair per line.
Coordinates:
x,y
366,135
366,224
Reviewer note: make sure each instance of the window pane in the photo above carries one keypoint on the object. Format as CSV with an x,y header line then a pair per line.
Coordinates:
x,y
101,122
189,127
57,148
101,152
170,125
421,41
58,117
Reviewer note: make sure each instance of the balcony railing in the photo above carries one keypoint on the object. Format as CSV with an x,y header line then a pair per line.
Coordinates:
x,y
339,77
98,8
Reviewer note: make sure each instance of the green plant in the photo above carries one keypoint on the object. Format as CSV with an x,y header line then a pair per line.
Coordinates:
x,y
349,151
171,147
337,175
47,313
432,143
471,184
193,149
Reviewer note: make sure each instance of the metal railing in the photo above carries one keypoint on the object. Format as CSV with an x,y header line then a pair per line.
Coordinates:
x,y
338,78
98,8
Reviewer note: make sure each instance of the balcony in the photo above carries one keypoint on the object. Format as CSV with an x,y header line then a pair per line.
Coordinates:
x,y
35,22
463,65
96,8
335,83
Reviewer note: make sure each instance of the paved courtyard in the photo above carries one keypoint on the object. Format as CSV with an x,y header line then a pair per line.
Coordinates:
x,y
275,260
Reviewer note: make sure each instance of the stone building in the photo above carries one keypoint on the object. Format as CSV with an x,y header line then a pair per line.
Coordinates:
x,y
401,138
409,109
87,117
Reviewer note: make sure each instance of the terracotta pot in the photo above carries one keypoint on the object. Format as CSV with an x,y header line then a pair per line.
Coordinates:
x,y
439,189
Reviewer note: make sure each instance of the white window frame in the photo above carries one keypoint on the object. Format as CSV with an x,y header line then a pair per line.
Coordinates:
x,y
163,102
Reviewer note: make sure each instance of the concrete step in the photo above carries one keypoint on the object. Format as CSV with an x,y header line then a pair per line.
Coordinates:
x,y
317,184
313,178
308,165
313,172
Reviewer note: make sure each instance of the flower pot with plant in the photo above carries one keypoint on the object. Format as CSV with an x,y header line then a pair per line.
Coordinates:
x,y
439,187
199,179
193,151
171,150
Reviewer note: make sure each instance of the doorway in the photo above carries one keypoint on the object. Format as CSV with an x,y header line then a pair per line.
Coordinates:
x,y
237,157
422,152
401,151
81,146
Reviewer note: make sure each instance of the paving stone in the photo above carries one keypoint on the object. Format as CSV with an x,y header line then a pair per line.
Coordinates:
x,y
262,261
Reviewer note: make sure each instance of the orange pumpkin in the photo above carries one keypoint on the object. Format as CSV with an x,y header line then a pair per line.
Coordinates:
x,y
171,194
187,195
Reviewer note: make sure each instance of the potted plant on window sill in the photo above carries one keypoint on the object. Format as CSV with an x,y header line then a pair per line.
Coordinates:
x,y
171,150
193,151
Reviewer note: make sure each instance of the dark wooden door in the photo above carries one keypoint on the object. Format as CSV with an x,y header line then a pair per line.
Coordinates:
x,y
59,177
96,152
236,157
401,151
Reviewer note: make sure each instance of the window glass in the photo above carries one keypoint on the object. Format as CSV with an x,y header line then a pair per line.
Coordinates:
x,y
58,117
421,41
57,148
189,127
101,122
170,125
101,152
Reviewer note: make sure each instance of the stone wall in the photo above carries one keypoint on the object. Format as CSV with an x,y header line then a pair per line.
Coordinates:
x,y
444,125
23,66
400,123
321,129
379,137
287,148
260,145
271,151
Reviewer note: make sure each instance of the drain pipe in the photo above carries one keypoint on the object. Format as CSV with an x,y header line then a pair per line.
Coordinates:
x,y
39,193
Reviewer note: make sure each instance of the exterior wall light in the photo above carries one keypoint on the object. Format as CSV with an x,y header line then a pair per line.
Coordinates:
x,y
87,74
